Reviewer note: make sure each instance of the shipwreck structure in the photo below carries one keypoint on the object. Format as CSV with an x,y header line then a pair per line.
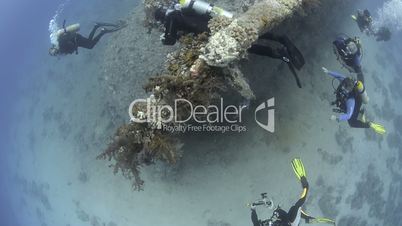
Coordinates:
x,y
200,70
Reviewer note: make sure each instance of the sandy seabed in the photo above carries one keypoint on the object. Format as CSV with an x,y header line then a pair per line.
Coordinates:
x,y
78,102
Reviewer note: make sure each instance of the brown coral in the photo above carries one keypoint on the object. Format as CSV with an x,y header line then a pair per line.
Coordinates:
x,y
138,144
150,6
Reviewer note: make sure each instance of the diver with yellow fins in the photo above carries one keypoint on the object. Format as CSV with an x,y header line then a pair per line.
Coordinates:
x,y
192,16
350,96
68,39
294,216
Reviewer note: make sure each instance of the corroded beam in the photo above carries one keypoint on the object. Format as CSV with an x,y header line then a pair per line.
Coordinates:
x,y
231,43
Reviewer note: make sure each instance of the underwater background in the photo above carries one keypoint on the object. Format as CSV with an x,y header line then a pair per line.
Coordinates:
x,y
58,114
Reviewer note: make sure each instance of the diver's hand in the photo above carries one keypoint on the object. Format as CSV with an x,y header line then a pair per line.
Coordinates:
x,y
334,118
162,37
325,70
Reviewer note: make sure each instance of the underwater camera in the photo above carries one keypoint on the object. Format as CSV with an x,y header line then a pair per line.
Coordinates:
x,y
264,201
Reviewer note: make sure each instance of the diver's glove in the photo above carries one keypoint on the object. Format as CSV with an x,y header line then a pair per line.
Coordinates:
x,y
253,207
334,118
325,70
162,37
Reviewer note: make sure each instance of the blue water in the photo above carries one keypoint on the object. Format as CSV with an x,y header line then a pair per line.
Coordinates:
x,y
24,35
53,124
24,45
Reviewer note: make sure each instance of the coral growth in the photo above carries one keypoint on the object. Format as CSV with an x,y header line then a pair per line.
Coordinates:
x,y
229,44
199,71
139,144
136,145
150,6
232,42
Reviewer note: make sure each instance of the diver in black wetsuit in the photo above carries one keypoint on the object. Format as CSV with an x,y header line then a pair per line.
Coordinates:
x,y
283,218
194,18
292,218
178,21
69,41
365,23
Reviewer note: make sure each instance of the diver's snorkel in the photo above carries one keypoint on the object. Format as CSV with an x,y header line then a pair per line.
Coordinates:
x,y
204,8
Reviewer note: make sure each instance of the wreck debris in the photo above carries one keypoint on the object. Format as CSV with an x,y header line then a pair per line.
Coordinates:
x,y
203,68
138,144
232,42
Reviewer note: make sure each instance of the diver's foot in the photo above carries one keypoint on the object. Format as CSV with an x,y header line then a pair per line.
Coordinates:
x,y
97,26
294,55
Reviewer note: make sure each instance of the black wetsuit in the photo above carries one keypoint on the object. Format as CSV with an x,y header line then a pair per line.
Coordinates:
x,y
70,41
277,53
354,120
186,21
287,218
364,21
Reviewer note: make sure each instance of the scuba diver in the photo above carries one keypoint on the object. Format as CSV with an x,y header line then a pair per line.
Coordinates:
x,y
349,53
293,217
68,39
189,16
365,23
350,96
192,16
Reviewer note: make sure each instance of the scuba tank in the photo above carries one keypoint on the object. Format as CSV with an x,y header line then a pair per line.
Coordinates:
x,y
342,94
362,92
204,8
72,28
346,48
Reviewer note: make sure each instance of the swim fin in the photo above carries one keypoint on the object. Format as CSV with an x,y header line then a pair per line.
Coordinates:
x,y
295,75
298,168
380,129
296,57
322,220
109,27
